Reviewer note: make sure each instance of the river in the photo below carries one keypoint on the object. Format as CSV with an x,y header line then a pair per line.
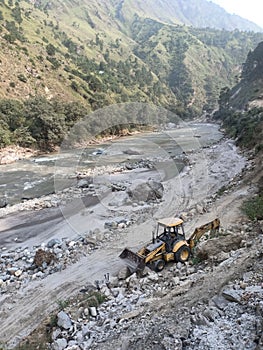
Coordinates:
x,y
35,177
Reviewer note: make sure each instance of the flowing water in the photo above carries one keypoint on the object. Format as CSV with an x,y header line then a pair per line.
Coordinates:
x,y
35,177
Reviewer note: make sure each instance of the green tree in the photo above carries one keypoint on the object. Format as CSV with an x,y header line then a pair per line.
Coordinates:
x,y
45,125
16,14
12,112
51,50
74,86
23,137
5,134
74,111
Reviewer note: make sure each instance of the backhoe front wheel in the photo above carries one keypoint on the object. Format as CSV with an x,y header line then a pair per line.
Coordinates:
x,y
182,254
159,265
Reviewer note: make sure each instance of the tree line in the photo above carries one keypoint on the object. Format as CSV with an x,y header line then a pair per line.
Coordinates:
x,y
37,122
45,124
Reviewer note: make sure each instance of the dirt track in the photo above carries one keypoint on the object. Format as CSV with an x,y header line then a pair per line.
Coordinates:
x,y
24,309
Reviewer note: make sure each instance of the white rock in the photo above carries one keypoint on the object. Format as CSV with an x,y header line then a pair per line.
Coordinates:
x,y
18,273
59,344
64,320
56,333
176,280
152,276
93,311
86,312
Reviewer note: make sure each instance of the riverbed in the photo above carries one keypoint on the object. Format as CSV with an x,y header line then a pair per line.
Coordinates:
x,y
43,175
72,212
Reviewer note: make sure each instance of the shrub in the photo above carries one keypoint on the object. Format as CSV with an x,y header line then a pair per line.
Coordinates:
x,y
22,78
253,208
221,190
63,304
74,85
51,50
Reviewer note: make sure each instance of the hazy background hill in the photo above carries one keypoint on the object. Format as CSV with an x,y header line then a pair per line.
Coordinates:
x,y
98,53
196,13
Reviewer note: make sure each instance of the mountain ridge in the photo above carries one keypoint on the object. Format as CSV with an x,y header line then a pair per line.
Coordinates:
x,y
196,13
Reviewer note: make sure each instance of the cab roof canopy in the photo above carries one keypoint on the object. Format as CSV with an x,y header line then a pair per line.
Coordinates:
x,y
170,222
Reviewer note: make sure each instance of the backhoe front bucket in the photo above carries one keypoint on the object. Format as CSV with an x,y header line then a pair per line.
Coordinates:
x,y
134,261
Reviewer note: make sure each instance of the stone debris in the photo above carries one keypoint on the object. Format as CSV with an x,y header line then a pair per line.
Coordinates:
x,y
19,267
134,315
63,320
12,154
128,312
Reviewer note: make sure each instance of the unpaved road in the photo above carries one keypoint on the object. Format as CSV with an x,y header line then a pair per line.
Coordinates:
x,y
209,170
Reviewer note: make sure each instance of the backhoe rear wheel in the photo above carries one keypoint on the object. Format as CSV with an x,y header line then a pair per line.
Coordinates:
x,y
159,265
182,254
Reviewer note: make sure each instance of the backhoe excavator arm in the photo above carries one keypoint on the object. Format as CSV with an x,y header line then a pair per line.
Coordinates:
x,y
200,231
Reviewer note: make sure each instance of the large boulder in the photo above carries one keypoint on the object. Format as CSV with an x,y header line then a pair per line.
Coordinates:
x,y
63,320
215,246
131,151
145,191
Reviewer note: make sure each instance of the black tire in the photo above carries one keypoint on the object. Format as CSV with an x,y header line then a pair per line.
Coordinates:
x,y
182,254
159,265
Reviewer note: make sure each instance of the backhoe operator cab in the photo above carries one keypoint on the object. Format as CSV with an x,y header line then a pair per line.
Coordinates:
x,y
169,230
168,244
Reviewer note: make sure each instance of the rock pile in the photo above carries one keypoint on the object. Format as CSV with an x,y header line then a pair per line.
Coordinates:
x,y
19,267
12,154
126,298
232,320
139,312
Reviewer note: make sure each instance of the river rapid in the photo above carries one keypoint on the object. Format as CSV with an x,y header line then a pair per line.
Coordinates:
x,y
43,175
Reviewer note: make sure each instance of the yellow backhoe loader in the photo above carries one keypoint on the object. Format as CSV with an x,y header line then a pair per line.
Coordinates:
x,y
168,244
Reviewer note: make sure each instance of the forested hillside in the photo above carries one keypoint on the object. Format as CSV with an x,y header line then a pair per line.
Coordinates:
x,y
61,60
241,108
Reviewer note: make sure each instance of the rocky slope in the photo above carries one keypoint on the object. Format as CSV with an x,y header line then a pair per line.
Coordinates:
x,y
211,305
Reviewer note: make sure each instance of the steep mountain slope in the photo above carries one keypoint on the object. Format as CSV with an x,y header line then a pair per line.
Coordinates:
x,y
241,108
248,93
241,112
98,54
197,13
80,50
189,59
